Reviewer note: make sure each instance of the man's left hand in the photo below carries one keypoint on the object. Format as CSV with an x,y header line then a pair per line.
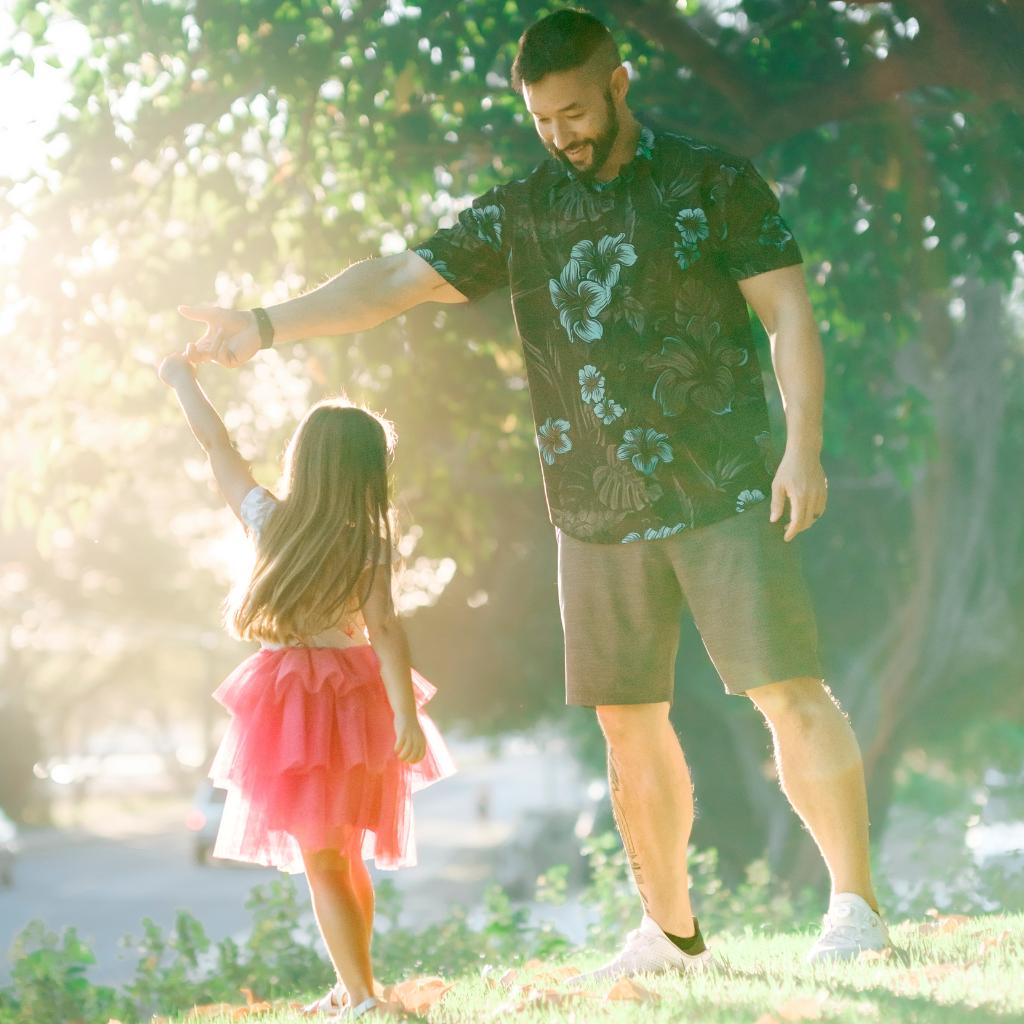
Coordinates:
x,y
801,479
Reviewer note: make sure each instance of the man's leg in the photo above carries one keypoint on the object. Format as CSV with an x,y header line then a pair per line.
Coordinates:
x,y
822,774
653,803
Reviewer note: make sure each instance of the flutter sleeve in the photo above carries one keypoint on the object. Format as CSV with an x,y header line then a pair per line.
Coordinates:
x,y
256,508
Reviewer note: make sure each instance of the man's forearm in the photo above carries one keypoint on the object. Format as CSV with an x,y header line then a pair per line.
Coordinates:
x,y
800,372
361,297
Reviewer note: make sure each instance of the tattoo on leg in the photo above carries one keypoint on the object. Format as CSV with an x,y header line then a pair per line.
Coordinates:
x,y
620,819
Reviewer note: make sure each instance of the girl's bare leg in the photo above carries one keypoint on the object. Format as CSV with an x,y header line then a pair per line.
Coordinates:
x,y
339,886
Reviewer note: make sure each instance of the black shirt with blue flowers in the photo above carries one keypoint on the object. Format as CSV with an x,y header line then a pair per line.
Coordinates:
x,y
646,389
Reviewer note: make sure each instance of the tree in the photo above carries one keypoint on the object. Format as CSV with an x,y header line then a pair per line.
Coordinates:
x,y
243,151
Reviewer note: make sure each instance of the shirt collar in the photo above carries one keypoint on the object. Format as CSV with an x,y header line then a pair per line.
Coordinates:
x,y
644,151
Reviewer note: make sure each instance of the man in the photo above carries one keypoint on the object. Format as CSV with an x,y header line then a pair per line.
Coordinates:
x,y
631,257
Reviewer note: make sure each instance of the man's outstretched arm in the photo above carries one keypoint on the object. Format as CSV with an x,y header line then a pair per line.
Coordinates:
x,y
364,295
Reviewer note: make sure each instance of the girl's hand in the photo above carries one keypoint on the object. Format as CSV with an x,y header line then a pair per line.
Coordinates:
x,y
411,744
175,369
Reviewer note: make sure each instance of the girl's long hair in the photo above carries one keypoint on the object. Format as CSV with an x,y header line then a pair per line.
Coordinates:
x,y
332,523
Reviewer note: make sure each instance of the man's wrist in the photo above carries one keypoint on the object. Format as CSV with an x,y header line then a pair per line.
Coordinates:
x,y
264,326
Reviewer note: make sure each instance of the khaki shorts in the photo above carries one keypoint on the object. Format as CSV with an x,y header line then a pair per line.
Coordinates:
x,y
621,607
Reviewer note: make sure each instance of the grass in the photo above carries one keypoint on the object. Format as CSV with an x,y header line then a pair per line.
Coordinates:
x,y
947,979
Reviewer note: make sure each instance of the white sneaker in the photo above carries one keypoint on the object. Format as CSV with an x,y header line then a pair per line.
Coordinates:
x,y
849,928
648,950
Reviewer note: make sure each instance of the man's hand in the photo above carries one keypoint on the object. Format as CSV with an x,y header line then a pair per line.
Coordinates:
x,y
231,337
801,479
175,369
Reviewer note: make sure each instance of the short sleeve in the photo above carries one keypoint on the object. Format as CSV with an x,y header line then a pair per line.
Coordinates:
x,y
756,239
256,508
473,255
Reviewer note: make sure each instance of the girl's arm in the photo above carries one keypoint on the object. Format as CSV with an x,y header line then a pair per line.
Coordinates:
x,y
229,468
387,636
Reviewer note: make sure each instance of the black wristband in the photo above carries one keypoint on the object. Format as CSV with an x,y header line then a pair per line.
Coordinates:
x,y
265,326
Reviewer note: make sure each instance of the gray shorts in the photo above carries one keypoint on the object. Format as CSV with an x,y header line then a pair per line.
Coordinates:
x,y
621,607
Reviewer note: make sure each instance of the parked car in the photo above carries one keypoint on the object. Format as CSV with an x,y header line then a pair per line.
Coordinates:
x,y
204,819
8,849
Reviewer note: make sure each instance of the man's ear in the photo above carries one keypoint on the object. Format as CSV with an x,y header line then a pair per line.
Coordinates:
x,y
619,84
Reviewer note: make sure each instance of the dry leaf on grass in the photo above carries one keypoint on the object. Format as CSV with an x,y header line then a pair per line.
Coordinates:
x,y
415,995
930,972
802,1007
766,1018
556,976
210,1010
991,941
943,924
876,954
628,990
532,965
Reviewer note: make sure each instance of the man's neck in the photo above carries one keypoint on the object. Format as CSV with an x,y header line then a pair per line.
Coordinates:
x,y
623,151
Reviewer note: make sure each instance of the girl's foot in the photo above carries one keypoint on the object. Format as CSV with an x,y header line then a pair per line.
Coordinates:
x,y
332,1004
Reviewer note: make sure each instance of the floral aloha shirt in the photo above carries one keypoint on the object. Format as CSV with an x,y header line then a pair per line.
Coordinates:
x,y
646,389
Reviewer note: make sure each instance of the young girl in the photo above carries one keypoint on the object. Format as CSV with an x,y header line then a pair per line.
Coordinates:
x,y
327,741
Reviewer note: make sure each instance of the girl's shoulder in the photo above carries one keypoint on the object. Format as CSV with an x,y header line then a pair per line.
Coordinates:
x,y
256,508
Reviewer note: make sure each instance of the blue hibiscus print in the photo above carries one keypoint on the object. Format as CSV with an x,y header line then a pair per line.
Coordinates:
x,y
692,226
603,262
748,498
579,302
591,384
774,232
685,256
488,224
645,449
553,439
439,265
649,534
608,410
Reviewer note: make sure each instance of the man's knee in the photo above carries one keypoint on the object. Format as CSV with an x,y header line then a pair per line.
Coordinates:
x,y
803,704
627,724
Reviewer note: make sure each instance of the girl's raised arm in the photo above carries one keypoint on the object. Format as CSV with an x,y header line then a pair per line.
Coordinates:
x,y
229,468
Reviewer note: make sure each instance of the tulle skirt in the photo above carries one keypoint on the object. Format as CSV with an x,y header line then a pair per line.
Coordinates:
x,y
308,760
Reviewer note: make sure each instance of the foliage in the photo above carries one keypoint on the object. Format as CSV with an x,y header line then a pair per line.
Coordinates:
x,y
240,153
49,983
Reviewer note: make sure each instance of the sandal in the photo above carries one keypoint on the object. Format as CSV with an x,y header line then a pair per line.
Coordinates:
x,y
331,1006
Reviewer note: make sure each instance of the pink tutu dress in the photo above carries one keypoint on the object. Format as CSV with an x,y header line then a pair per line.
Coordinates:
x,y
308,758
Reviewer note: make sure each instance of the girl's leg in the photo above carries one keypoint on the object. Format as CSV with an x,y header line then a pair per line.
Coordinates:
x,y
363,888
339,902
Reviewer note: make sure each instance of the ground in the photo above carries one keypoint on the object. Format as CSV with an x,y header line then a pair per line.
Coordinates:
x,y
955,970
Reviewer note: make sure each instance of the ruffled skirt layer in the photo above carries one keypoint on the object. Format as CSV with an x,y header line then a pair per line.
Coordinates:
x,y
308,760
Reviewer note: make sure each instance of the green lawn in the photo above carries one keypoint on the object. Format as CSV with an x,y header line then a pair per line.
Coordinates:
x,y
975,974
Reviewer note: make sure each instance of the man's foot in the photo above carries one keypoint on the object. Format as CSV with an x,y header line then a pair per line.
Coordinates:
x,y
849,928
648,950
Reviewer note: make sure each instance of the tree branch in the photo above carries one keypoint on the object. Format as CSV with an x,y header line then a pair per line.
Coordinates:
x,y
939,58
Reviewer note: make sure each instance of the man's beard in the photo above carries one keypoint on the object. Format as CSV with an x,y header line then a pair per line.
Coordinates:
x,y
601,146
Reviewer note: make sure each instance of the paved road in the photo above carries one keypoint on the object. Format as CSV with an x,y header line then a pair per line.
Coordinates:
x,y
105,884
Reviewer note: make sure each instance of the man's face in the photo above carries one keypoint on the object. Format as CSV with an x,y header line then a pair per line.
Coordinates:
x,y
575,118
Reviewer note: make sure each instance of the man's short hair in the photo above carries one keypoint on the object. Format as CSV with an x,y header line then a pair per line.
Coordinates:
x,y
562,41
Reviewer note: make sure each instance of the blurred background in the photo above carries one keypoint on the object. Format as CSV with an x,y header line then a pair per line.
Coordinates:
x,y
217,152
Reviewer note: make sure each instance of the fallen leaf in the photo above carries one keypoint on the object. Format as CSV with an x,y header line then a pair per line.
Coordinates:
x,y
953,922
556,976
416,994
931,972
766,1018
802,1007
506,980
991,941
210,1010
546,998
532,965
628,990
876,954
